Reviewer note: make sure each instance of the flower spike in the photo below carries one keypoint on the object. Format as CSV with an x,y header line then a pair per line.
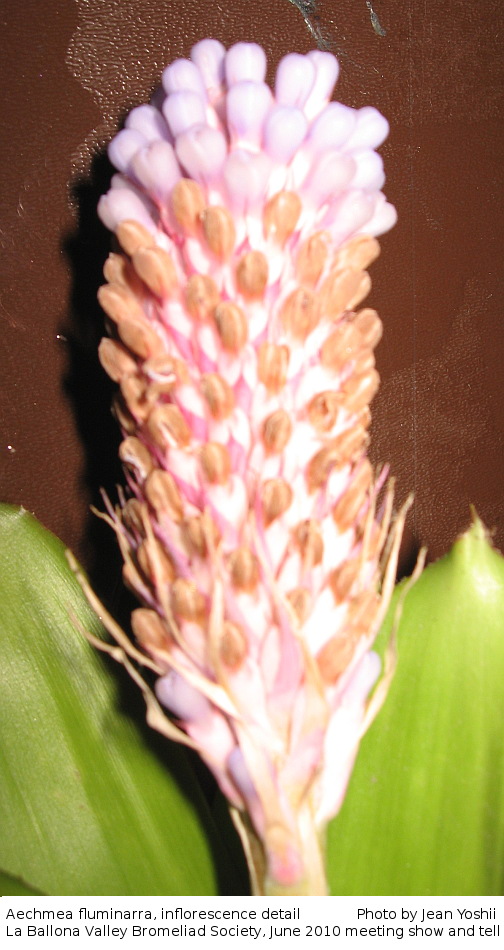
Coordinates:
x,y
252,533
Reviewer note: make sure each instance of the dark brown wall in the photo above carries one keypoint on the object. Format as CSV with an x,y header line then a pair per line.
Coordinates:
x,y
71,68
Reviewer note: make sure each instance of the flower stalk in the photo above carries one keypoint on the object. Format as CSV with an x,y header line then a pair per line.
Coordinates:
x,y
254,532
309,842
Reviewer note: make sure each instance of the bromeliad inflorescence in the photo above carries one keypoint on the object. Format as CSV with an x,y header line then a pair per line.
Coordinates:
x,y
252,532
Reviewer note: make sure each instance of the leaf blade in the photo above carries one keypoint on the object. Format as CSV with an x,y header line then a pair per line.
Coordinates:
x,y
87,805
424,812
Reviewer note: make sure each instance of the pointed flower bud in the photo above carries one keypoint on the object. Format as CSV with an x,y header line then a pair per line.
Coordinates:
x,y
258,547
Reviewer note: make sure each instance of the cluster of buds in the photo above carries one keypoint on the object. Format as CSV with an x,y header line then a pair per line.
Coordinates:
x,y
252,532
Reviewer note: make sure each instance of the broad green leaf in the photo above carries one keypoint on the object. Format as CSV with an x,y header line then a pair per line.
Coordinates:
x,y
424,812
87,804
12,886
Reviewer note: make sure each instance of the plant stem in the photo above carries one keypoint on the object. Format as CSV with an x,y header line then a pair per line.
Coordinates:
x,y
310,847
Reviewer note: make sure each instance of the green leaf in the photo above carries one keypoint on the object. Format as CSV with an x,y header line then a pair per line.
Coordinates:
x,y
424,812
87,804
12,886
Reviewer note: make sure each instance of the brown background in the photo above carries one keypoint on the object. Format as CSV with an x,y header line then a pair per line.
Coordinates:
x,y
73,68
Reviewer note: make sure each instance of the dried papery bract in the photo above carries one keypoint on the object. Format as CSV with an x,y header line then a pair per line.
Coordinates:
x,y
254,534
